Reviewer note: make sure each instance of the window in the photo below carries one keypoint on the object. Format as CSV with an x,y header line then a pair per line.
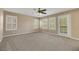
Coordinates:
x,y
52,23
36,24
44,24
11,23
64,25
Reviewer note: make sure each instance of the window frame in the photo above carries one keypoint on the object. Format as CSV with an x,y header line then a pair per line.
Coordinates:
x,y
11,22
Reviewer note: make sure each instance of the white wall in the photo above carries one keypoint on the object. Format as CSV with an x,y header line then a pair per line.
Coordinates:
x,y
24,24
1,24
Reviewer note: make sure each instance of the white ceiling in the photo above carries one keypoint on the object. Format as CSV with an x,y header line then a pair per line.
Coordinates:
x,y
31,12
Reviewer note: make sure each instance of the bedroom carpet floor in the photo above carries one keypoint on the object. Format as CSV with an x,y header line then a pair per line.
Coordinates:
x,y
39,42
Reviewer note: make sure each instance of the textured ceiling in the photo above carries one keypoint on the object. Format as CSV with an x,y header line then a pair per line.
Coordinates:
x,y
31,12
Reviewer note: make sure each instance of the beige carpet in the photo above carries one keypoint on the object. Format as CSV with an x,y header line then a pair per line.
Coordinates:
x,y
39,42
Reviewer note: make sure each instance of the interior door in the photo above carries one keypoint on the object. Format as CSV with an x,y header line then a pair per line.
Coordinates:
x,y
64,25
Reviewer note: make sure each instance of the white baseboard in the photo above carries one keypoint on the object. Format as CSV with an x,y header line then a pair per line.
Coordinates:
x,y
14,34
35,32
17,34
74,38
70,37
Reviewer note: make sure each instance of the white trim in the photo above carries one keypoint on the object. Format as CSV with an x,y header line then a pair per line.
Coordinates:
x,y
74,38
17,34
12,35
69,24
11,22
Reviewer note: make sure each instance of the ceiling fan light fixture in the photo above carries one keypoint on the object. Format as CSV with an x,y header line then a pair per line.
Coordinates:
x,y
40,11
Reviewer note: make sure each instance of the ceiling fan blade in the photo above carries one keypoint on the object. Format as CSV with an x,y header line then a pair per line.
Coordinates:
x,y
44,13
43,10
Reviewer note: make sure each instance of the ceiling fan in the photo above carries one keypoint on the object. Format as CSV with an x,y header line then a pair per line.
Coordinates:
x,y
41,11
